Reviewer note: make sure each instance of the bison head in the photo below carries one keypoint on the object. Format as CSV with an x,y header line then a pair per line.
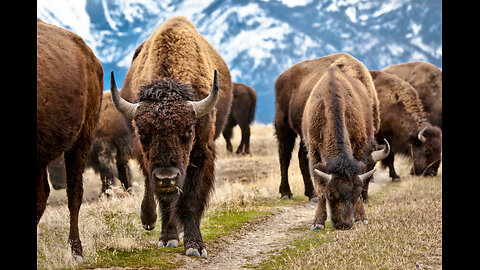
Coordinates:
x,y
426,150
164,118
343,185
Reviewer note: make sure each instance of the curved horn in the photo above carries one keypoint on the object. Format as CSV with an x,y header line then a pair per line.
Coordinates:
x,y
325,176
366,175
420,135
126,108
381,154
207,104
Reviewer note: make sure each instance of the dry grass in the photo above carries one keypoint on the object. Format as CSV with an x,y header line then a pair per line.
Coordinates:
x,y
405,218
243,181
404,232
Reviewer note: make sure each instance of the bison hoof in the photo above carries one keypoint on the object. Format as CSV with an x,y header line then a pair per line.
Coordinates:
x,y
194,252
317,227
396,179
78,258
285,197
314,199
149,227
172,243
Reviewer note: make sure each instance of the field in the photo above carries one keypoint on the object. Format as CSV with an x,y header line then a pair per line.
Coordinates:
x,y
248,226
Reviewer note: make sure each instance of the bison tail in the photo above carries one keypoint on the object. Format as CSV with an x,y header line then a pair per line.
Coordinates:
x,y
253,105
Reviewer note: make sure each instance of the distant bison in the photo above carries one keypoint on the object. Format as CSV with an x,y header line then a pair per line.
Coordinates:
x,y
178,103
69,94
242,114
427,81
404,125
332,104
111,150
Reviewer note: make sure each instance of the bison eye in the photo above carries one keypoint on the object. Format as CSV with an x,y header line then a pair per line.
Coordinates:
x,y
189,132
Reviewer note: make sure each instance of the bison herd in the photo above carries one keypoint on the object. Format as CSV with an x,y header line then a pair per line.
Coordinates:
x,y
178,97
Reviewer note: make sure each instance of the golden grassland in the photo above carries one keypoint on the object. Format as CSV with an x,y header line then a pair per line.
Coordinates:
x,y
405,225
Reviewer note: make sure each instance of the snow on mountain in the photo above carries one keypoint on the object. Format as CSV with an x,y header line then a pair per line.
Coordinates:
x,y
259,39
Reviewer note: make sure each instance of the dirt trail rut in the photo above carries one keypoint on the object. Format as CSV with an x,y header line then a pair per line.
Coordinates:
x,y
267,237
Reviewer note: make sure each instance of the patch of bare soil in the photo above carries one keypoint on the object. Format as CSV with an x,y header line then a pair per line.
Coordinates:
x,y
265,237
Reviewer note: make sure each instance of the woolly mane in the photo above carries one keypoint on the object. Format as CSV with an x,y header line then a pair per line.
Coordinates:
x,y
165,89
344,166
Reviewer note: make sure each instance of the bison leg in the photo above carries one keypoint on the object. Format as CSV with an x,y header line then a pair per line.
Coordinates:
x,y
43,190
321,212
360,215
228,132
169,235
75,160
307,180
286,142
123,171
192,237
388,161
244,143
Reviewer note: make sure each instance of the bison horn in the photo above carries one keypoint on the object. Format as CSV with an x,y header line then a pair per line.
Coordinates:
x,y
366,175
207,104
325,176
126,108
381,154
420,135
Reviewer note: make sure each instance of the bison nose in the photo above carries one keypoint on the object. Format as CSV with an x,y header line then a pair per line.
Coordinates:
x,y
166,175
342,225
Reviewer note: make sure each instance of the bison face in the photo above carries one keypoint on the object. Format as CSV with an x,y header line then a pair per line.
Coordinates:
x,y
426,151
164,119
342,193
166,133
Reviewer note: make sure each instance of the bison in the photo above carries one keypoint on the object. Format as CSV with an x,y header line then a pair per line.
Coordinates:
x,y
242,114
331,103
405,126
427,81
69,94
111,149
167,99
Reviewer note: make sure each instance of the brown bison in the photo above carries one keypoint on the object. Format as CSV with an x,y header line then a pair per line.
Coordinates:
x,y
241,114
427,80
404,125
69,94
332,104
111,149
179,104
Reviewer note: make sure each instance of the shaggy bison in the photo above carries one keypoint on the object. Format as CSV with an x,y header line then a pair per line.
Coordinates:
x,y
404,125
427,80
242,114
332,104
111,149
69,94
178,104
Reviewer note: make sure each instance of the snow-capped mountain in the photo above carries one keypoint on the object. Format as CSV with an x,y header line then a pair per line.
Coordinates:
x,y
259,39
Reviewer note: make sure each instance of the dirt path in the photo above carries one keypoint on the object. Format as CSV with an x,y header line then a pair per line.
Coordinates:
x,y
265,238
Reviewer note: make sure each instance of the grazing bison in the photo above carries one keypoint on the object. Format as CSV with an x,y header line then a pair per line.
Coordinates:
x,y
332,104
427,80
69,94
242,114
404,125
176,117
111,149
